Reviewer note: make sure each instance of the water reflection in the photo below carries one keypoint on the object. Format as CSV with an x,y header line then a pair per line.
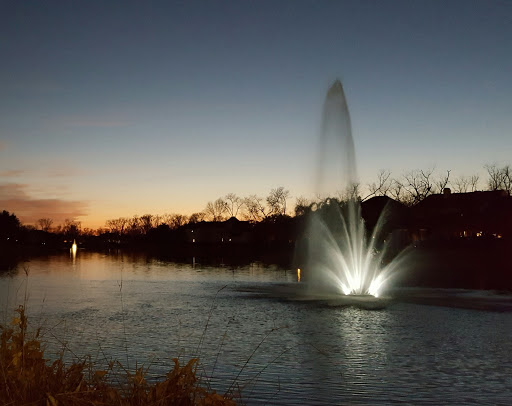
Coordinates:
x,y
72,252
297,351
112,265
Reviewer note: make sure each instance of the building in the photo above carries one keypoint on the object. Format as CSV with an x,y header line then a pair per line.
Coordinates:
x,y
462,215
231,231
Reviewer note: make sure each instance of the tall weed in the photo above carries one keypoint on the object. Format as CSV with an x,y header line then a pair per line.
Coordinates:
x,y
27,378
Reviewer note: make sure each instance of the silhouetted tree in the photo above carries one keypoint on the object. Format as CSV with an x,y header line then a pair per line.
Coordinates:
x,y
177,220
45,224
133,226
328,204
412,188
166,218
464,184
233,204
381,187
9,225
157,220
418,183
71,228
146,223
302,206
441,183
196,217
397,191
89,232
351,192
117,226
473,183
276,200
254,209
216,211
499,178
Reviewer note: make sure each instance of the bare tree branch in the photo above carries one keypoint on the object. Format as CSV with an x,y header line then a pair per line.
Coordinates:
x,y
442,182
381,187
302,206
216,211
255,209
234,204
276,200
45,224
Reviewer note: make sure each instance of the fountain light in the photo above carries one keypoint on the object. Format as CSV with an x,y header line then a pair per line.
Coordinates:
x,y
73,251
341,254
376,286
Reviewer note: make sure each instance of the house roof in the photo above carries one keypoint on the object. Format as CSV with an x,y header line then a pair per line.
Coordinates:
x,y
231,223
396,213
473,209
462,200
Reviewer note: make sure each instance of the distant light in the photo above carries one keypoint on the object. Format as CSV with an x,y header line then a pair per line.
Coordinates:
x,y
73,251
298,274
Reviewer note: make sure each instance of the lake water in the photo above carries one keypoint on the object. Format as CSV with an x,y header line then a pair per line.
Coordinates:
x,y
146,311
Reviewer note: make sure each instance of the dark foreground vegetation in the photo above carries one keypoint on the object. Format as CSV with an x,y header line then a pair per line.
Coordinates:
x,y
27,378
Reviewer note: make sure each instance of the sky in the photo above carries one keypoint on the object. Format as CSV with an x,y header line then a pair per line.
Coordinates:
x,y
114,108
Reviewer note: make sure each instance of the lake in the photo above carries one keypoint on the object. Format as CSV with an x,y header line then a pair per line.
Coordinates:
x,y
141,310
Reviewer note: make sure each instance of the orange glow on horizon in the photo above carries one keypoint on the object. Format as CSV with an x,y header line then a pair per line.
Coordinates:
x,y
99,218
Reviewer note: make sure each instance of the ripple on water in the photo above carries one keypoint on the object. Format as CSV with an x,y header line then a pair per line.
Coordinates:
x,y
278,352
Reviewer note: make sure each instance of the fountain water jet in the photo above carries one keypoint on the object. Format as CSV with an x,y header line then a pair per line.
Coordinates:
x,y
341,257
336,162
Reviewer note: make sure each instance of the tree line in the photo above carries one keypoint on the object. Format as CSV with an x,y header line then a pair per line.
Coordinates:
x,y
252,208
409,188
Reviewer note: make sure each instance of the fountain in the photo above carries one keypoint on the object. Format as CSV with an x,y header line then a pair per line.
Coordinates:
x,y
336,162
339,262
343,261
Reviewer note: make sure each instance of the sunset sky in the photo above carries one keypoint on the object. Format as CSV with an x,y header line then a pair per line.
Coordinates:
x,y
111,109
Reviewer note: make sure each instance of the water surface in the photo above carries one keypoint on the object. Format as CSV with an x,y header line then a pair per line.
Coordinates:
x,y
146,311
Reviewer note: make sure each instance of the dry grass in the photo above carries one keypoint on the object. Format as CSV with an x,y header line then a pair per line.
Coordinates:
x,y
26,378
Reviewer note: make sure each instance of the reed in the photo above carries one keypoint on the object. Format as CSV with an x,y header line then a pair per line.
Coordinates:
x,y
27,378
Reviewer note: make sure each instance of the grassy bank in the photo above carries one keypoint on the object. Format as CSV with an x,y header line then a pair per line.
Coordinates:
x,y
27,378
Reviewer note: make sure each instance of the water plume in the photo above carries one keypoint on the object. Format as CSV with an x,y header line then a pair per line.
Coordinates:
x,y
336,170
342,257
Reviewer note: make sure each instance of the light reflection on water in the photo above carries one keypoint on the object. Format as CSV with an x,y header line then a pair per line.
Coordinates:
x,y
111,306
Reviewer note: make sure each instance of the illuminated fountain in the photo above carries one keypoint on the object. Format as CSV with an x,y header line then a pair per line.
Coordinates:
x,y
341,258
340,263
73,250
74,247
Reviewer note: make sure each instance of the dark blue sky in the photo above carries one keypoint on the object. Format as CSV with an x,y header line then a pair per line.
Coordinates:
x,y
117,108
